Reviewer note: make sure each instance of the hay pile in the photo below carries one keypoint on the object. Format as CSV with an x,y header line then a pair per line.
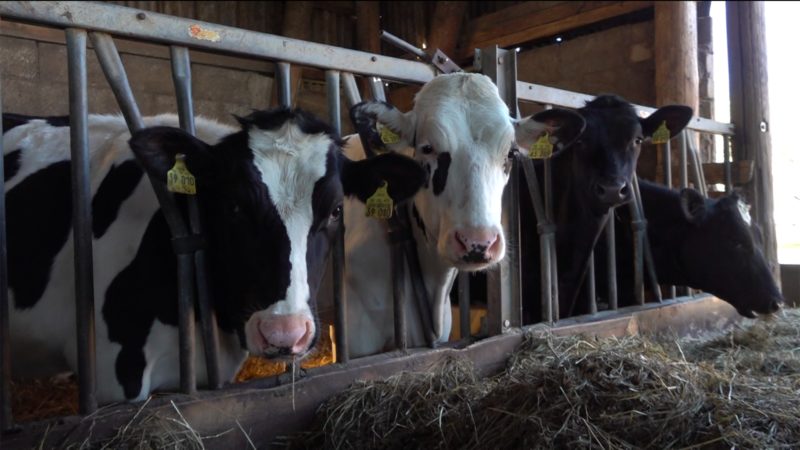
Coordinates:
x,y
741,389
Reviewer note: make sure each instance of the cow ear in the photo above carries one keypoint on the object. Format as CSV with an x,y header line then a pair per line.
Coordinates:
x,y
156,148
693,205
676,118
563,126
383,127
361,179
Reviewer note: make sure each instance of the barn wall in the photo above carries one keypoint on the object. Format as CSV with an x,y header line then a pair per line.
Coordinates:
x,y
618,60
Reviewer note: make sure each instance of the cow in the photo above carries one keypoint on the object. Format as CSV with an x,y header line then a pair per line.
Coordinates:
x,y
703,243
461,132
589,176
270,192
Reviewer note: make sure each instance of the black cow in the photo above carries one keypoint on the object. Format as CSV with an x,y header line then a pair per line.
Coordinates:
x,y
271,199
702,243
590,176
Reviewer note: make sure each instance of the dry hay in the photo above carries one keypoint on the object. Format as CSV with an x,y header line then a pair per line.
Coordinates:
x,y
739,390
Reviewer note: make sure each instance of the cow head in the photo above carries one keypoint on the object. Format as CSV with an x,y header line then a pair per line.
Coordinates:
x,y
604,157
722,254
460,131
271,194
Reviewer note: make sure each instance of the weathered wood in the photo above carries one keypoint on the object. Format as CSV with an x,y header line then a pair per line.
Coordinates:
x,y
296,24
742,172
528,21
675,53
265,411
445,27
367,34
747,65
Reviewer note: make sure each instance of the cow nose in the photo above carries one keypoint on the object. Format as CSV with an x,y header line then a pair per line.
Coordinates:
x,y
612,192
476,245
290,334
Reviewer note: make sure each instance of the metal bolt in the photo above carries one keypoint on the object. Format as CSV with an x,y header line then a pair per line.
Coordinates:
x,y
141,16
763,126
500,61
506,323
374,58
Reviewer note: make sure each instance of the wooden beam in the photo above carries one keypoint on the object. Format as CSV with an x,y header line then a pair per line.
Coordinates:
x,y
747,66
675,53
445,29
529,21
741,172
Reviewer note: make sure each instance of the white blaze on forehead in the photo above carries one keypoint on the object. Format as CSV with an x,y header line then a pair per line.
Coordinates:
x,y
291,162
744,211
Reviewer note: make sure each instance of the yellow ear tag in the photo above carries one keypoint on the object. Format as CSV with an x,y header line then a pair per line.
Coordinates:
x,y
380,205
179,179
542,148
661,135
387,135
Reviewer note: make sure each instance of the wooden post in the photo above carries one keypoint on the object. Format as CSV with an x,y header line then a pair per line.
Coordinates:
x,y
677,76
747,65
297,25
675,53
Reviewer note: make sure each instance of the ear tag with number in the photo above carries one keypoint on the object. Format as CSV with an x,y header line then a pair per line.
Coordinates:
x,y
542,148
179,179
387,135
661,135
380,205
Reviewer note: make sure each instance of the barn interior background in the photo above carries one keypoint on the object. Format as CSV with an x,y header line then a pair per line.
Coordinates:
x,y
651,53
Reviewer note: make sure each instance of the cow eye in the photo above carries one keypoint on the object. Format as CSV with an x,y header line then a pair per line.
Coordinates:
x,y
336,214
638,141
427,149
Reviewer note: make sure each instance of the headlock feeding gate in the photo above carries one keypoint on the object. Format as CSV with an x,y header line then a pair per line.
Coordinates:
x,y
99,22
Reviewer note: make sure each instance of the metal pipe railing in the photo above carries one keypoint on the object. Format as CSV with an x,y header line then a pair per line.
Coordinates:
x,y
283,79
182,78
376,86
333,82
611,260
114,71
82,218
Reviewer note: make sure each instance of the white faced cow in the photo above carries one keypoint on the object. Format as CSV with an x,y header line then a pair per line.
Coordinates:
x,y
461,132
271,196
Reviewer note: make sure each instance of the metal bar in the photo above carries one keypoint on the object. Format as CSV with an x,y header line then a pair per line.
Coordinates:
x,y
553,254
638,243
398,271
378,92
648,255
726,155
544,229
82,218
503,282
684,168
389,38
6,418
463,305
697,167
182,78
139,24
283,77
668,182
351,94
591,287
611,260
112,67
333,81
538,93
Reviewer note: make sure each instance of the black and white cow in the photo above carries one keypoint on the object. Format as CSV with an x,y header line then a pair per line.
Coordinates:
x,y
707,244
271,194
590,176
461,132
